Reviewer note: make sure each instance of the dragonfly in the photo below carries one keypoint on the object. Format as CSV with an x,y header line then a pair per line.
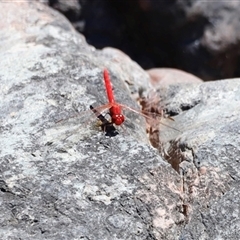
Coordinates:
x,y
115,108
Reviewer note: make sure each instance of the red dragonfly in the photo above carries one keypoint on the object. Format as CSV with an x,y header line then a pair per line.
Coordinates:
x,y
115,111
115,108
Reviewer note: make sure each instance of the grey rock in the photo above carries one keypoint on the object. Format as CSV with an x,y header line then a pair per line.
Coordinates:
x,y
200,37
206,154
60,177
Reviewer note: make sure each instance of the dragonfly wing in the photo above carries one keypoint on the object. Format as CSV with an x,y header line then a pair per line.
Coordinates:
x,y
82,116
151,120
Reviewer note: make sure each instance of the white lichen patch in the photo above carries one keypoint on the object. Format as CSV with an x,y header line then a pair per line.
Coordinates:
x,y
105,193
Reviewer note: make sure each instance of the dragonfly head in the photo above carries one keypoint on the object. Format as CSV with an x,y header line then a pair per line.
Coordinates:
x,y
117,119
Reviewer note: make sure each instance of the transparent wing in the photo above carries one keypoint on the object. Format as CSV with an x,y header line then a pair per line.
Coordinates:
x,y
152,118
83,116
72,126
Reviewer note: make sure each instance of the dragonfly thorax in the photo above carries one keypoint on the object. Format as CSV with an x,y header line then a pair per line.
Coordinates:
x,y
117,119
116,114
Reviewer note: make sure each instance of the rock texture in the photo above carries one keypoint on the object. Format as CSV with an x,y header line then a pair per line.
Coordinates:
x,y
61,178
206,154
66,180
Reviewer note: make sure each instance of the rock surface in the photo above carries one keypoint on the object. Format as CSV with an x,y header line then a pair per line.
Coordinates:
x,y
66,180
206,154
169,76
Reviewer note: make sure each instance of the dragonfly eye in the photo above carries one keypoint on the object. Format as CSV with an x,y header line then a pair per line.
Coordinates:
x,y
118,119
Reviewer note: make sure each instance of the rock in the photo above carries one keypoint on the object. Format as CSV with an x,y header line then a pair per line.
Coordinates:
x,y
206,154
60,177
198,37
163,76
71,9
